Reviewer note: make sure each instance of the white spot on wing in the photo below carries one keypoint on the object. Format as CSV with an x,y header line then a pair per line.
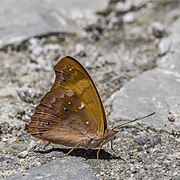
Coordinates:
x,y
81,106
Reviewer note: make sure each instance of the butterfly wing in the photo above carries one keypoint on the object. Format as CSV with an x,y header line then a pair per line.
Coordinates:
x,y
60,118
72,110
70,74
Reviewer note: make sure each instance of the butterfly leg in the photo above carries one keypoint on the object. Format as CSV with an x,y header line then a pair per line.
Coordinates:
x,y
45,144
112,147
78,144
101,145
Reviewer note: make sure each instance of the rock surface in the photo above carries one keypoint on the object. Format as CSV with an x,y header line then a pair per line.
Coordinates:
x,y
153,91
23,19
65,168
123,59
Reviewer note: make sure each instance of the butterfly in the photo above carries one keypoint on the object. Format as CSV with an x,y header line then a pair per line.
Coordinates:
x,y
71,113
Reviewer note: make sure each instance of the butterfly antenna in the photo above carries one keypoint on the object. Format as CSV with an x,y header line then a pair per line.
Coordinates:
x,y
136,119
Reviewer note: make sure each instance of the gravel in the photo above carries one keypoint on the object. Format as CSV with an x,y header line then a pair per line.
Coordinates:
x,y
131,61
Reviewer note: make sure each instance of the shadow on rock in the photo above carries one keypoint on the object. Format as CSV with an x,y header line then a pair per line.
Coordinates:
x,y
87,154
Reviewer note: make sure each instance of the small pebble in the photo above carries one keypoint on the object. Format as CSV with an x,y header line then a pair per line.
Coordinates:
x,y
129,17
4,139
79,48
31,145
34,47
122,7
137,4
158,30
52,47
9,92
38,163
164,46
23,154
172,117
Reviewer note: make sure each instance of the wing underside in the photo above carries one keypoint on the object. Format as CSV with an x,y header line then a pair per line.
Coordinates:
x,y
72,111
70,74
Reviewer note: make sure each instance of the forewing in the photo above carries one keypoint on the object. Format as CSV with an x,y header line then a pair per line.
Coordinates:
x,y
71,75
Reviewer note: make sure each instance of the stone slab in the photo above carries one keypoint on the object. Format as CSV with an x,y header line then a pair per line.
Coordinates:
x,y
64,169
22,19
155,90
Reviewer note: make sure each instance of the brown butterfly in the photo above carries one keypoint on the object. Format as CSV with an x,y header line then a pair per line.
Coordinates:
x,y
72,113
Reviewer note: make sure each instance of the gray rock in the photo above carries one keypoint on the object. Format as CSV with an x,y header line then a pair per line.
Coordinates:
x,y
137,4
34,47
9,91
123,7
9,160
52,47
129,17
103,8
175,31
79,49
23,154
164,45
155,90
64,169
158,30
5,128
23,19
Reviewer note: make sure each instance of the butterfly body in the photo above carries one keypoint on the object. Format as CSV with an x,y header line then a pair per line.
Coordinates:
x,y
71,112
93,143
